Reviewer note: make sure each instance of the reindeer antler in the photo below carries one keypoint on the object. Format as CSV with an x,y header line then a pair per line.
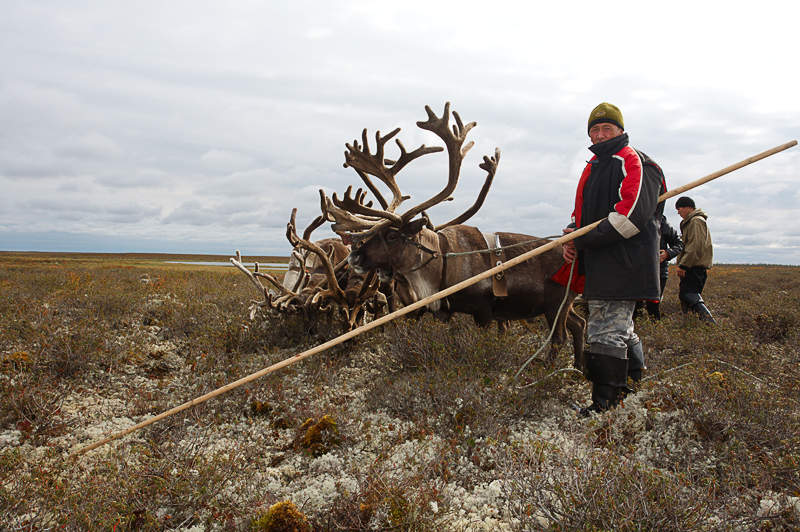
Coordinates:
x,y
318,221
345,222
364,162
356,205
255,275
296,241
372,188
352,215
454,141
490,165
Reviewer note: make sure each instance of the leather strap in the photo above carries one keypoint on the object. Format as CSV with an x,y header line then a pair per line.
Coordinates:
x,y
497,257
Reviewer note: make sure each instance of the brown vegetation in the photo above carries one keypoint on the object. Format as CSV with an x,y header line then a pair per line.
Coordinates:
x,y
416,426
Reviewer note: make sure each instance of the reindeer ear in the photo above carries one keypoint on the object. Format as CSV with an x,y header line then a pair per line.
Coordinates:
x,y
412,228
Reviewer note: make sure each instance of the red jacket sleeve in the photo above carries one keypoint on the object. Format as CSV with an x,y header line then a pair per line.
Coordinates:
x,y
631,186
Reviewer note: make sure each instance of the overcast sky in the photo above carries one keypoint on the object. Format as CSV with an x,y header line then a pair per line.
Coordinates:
x,y
195,127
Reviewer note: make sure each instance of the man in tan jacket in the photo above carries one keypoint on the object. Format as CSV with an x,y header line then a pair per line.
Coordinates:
x,y
695,259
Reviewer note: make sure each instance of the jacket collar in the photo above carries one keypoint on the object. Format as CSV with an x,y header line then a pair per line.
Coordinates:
x,y
697,213
607,148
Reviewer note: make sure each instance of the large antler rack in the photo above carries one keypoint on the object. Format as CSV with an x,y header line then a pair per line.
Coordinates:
x,y
351,214
358,219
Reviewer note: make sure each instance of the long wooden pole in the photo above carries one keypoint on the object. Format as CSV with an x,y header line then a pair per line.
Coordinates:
x,y
419,304
750,160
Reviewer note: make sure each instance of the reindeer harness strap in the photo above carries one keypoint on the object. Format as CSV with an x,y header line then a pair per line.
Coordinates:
x,y
499,288
444,246
490,250
419,245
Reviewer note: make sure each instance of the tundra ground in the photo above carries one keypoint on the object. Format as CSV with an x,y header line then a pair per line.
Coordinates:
x,y
415,426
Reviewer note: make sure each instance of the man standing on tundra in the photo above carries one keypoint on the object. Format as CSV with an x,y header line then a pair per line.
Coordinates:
x,y
695,259
619,257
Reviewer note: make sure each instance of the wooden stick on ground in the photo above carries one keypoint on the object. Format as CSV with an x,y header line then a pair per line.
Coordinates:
x,y
419,304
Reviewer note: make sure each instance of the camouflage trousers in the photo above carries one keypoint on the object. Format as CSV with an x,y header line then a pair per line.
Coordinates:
x,y
609,329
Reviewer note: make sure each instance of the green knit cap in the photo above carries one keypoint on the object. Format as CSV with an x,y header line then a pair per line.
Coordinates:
x,y
606,112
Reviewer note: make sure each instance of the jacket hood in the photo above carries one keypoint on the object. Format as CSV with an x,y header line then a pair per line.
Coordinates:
x,y
697,212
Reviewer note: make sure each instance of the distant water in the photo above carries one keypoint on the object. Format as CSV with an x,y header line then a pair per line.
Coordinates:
x,y
269,265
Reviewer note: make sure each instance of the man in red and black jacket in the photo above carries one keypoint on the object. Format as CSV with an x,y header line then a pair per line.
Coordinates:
x,y
619,257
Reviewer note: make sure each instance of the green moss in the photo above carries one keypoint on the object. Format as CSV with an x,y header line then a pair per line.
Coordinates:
x,y
281,517
260,407
318,437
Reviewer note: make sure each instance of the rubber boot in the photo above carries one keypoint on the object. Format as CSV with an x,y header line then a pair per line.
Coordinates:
x,y
609,379
635,366
704,313
694,302
653,309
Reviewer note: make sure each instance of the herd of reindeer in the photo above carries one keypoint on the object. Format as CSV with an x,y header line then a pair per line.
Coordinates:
x,y
384,258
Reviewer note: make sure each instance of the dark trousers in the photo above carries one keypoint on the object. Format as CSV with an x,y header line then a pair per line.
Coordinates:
x,y
653,307
693,282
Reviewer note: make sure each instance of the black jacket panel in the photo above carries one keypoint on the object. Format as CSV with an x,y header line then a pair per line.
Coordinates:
x,y
620,256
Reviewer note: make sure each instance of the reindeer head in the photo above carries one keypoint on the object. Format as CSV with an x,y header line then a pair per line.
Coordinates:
x,y
393,250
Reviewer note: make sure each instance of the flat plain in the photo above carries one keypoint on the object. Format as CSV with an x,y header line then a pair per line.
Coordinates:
x,y
418,425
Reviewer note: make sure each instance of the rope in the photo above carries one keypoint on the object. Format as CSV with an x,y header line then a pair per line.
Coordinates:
x,y
492,250
553,328
670,370
761,381
548,376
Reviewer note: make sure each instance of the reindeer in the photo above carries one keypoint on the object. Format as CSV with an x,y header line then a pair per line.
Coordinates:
x,y
333,281
305,272
425,259
318,275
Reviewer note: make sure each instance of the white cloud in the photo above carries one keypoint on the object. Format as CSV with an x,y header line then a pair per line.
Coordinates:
x,y
206,124
92,146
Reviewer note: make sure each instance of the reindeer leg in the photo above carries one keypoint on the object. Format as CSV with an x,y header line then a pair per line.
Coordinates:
x,y
577,328
559,334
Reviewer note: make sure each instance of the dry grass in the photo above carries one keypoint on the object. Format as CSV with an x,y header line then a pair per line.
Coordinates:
x,y
417,426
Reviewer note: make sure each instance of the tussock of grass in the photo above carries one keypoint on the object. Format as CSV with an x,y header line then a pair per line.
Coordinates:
x,y
455,375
